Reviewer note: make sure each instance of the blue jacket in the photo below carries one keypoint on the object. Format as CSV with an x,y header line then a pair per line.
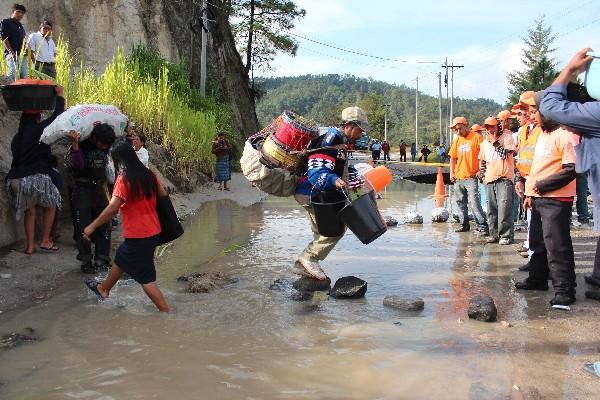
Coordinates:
x,y
324,167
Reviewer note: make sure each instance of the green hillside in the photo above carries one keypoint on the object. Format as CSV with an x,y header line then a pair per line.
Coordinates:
x,y
322,97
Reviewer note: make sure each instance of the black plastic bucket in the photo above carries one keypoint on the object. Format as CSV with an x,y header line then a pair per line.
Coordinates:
x,y
362,217
327,205
29,97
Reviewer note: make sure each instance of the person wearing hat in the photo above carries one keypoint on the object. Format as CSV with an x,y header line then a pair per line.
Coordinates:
x,y
477,128
497,168
327,171
464,167
582,114
549,191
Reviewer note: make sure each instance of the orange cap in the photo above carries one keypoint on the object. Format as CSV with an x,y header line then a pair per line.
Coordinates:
x,y
505,115
476,128
527,98
458,120
515,109
489,121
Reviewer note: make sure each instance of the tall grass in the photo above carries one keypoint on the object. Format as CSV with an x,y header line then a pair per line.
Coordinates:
x,y
164,110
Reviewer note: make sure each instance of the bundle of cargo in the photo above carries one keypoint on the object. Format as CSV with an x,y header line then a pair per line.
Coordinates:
x,y
272,158
284,140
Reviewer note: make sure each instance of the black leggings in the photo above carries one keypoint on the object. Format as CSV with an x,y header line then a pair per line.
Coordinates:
x,y
87,202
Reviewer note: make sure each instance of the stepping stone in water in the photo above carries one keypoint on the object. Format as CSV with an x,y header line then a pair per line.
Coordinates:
x,y
404,304
306,284
483,308
349,287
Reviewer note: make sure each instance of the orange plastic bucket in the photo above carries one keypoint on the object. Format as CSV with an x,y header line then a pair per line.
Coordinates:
x,y
379,177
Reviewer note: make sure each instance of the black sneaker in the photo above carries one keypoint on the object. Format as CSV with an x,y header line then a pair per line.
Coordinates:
x,y
526,267
463,229
528,285
101,266
88,268
562,299
593,294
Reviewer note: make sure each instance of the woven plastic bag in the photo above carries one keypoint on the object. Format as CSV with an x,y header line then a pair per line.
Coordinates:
x,y
82,118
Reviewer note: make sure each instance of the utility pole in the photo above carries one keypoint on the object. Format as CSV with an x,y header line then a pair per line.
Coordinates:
x,y
204,31
446,66
417,116
440,106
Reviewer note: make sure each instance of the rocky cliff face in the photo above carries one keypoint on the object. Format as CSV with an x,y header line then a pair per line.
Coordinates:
x,y
95,28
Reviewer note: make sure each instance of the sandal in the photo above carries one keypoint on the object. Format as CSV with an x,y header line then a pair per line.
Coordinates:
x,y
52,249
92,284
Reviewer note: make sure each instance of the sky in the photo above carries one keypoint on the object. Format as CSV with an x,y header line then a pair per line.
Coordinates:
x,y
485,36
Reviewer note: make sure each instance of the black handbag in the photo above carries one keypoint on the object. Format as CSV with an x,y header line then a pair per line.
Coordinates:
x,y
170,227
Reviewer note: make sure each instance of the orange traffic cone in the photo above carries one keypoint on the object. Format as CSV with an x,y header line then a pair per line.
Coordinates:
x,y
440,190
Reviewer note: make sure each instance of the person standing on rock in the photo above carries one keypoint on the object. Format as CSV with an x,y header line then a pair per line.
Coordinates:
x,y
29,182
222,151
43,50
402,151
376,150
86,164
413,151
425,152
12,33
327,171
134,195
497,168
464,167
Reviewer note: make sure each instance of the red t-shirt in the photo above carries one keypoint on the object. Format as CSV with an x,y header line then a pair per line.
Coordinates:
x,y
139,217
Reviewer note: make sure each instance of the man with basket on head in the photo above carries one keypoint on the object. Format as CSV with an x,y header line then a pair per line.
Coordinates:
x,y
327,171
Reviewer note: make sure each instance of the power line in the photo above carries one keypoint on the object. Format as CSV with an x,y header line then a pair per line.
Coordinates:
x,y
359,53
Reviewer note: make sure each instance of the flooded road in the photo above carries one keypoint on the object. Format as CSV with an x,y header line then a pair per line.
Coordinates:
x,y
249,342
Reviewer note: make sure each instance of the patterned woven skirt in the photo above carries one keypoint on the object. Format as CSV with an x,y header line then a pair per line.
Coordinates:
x,y
222,171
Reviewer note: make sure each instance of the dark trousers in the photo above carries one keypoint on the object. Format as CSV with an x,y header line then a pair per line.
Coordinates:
x,y
583,213
375,154
403,156
414,156
500,209
87,202
550,241
386,156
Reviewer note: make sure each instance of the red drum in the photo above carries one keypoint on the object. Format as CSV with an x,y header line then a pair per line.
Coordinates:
x,y
295,132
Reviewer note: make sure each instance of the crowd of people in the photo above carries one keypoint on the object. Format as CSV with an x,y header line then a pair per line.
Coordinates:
x,y
538,163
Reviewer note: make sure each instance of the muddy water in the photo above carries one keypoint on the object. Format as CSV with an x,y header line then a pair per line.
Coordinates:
x,y
249,342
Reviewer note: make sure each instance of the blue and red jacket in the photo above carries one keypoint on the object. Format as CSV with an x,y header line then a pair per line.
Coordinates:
x,y
326,166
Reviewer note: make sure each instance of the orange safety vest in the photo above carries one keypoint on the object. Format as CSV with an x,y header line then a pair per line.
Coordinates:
x,y
527,149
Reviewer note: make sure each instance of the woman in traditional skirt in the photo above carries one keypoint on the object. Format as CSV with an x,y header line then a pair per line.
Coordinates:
x,y
222,151
28,181
134,195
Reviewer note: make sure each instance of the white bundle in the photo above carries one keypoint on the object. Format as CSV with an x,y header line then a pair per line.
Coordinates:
x,y
82,118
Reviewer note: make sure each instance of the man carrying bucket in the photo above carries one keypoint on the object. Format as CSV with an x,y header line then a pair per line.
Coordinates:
x,y
327,173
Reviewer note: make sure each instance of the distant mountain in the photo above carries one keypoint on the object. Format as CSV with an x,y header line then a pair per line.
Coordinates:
x,y
322,97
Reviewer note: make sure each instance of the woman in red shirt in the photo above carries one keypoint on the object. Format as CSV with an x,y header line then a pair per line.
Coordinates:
x,y
134,195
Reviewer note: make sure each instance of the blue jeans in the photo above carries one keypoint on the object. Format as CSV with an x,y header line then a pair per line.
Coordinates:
x,y
583,213
12,69
500,209
467,191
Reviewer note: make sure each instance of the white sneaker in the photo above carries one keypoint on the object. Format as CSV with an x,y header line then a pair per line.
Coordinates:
x,y
504,241
312,269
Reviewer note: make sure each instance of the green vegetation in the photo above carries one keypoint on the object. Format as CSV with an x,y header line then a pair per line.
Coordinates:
x,y
322,98
540,68
157,96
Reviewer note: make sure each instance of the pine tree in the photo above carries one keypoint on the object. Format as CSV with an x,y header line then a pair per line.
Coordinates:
x,y
540,67
260,29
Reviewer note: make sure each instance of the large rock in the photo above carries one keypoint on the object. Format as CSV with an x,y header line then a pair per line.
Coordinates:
x,y
204,282
404,304
413,218
483,308
306,284
390,221
440,214
348,287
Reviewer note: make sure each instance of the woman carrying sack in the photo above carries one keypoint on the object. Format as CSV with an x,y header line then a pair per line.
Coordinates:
x,y
222,151
135,196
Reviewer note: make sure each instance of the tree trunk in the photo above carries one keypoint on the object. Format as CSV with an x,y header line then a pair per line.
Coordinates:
x,y
250,38
233,75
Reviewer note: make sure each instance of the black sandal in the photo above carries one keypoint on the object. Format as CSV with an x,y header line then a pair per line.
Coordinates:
x,y
92,284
